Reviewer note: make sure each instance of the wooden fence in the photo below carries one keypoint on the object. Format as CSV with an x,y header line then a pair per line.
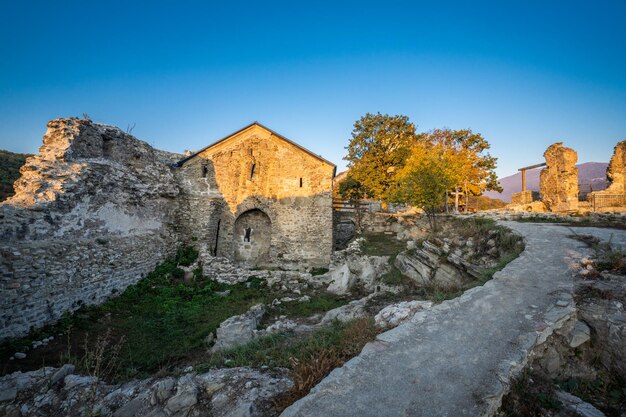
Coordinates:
x,y
346,206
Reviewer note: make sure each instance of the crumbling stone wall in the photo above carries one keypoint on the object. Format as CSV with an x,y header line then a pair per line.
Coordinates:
x,y
558,182
523,197
616,171
256,169
93,211
97,209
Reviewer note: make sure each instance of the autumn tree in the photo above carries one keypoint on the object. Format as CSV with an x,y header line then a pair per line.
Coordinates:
x,y
429,172
378,149
468,152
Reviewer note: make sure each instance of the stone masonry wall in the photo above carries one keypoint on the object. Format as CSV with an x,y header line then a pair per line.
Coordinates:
x,y
616,171
255,169
94,211
558,182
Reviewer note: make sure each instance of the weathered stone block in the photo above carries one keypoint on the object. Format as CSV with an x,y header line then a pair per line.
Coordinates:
x,y
523,197
559,180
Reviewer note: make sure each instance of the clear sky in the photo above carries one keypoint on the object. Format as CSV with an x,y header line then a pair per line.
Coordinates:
x,y
525,74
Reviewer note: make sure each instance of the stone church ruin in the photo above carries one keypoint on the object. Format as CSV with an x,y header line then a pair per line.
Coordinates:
x,y
96,209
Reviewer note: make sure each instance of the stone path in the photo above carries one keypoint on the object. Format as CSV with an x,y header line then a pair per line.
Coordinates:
x,y
458,358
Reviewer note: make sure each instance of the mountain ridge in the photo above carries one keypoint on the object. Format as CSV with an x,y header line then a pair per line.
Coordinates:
x,y
591,177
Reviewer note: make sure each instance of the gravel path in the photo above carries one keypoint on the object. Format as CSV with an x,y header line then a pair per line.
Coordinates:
x,y
458,358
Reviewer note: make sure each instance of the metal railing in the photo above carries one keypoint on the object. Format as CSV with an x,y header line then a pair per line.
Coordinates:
x,y
606,200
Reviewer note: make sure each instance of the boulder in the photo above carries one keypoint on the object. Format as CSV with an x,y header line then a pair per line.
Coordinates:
x,y
350,268
395,314
238,330
352,310
427,266
579,334
342,279
558,182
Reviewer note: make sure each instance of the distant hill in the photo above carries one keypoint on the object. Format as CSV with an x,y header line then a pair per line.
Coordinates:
x,y
591,176
10,164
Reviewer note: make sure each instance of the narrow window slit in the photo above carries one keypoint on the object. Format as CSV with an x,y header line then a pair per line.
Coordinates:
x,y
252,169
205,171
300,182
246,236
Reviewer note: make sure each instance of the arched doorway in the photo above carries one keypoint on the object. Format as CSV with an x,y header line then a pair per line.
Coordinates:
x,y
252,237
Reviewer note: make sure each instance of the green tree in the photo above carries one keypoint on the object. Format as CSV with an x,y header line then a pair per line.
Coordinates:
x,y
378,149
429,172
353,191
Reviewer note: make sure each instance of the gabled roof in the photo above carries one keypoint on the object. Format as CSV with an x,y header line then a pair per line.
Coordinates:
x,y
278,135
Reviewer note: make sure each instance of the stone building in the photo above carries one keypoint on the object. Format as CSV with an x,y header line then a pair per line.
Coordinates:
x,y
96,209
260,199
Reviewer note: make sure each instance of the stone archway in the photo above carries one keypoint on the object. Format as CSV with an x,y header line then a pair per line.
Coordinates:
x,y
252,237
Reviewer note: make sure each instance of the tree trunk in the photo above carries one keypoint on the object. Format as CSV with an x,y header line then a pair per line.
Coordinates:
x,y
466,198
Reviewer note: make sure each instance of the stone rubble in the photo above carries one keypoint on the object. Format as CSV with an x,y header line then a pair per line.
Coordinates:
x,y
579,407
235,392
350,268
447,263
238,330
395,314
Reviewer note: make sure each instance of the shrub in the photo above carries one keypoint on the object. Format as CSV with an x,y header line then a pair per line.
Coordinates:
x,y
186,255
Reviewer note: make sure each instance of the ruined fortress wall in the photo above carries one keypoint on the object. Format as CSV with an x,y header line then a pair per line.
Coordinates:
x,y
616,171
255,170
94,211
201,204
558,182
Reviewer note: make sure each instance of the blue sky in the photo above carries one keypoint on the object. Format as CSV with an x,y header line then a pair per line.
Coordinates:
x,y
525,74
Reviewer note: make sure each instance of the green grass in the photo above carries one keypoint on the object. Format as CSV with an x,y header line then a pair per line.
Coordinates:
x,y
280,349
607,391
395,277
318,271
504,260
319,303
380,244
162,320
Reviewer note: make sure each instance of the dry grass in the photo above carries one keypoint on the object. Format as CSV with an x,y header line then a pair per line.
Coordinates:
x,y
308,371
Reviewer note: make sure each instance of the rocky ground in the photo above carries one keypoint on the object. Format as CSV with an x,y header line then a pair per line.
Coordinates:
x,y
581,371
269,354
460,357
